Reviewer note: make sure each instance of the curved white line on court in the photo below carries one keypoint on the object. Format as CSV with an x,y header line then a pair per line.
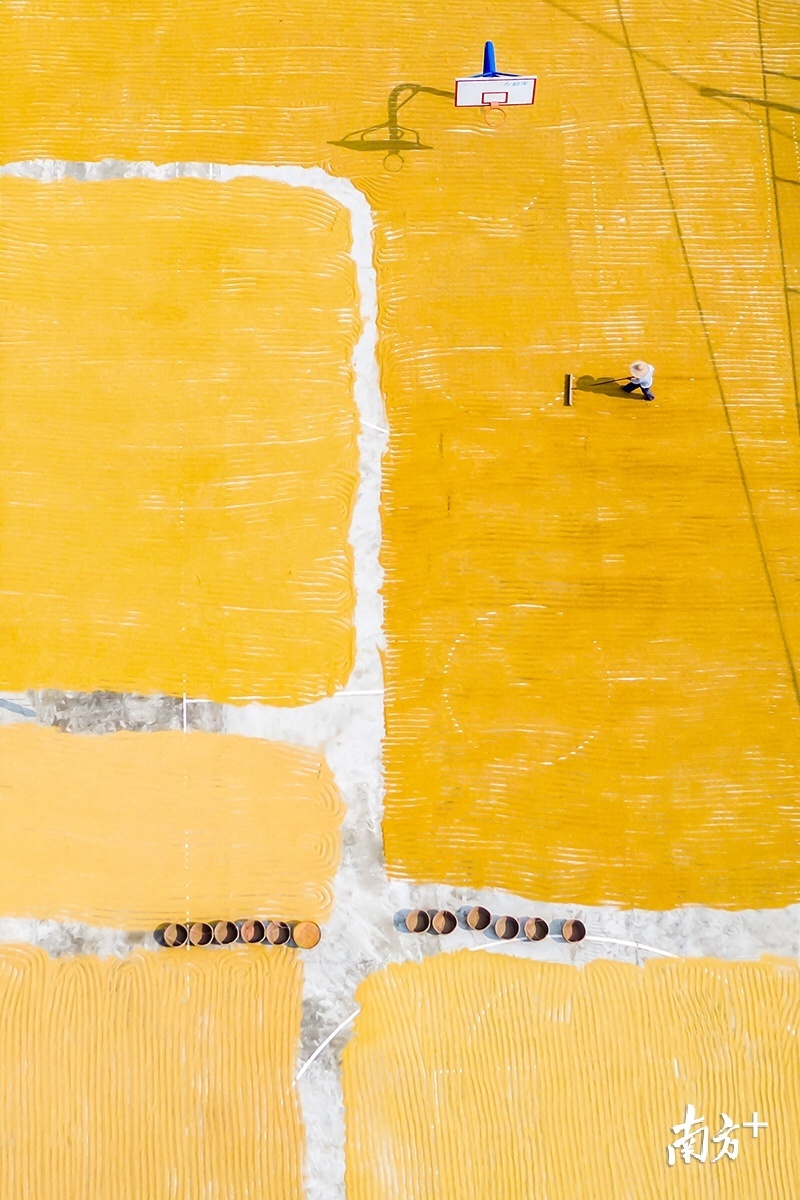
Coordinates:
x,y
327,1042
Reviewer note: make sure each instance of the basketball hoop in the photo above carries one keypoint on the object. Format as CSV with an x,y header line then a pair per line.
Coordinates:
x,y
493,115
494,90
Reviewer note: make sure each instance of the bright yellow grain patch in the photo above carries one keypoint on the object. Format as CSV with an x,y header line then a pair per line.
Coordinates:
x,y
592,615
179,438
476,1075
129,829
160,1076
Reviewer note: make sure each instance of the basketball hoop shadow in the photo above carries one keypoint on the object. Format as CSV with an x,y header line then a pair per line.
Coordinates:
x,y
398,139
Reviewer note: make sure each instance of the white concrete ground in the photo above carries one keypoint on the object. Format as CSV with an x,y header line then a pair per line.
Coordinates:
x,y
360,937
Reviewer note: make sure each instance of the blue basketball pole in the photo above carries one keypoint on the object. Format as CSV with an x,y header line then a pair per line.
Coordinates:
x,y
489,67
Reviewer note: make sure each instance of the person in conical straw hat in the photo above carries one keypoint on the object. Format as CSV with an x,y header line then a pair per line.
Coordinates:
x,y
641,376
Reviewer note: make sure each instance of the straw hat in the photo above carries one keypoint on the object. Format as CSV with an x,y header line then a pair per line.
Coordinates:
x,y
640,369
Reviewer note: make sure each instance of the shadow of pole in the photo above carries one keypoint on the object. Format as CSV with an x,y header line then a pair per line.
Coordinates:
x,y
713,93
718,94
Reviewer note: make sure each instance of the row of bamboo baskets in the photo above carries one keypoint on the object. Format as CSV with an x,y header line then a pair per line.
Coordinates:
x,y
477,919
303,935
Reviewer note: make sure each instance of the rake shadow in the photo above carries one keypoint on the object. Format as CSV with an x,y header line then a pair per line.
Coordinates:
x,y
603,387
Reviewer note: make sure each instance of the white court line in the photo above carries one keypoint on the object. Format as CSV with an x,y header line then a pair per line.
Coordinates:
x,y
609,940
636,945
327,1042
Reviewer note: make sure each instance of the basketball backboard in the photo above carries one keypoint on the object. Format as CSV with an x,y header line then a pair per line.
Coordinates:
x,y
479,90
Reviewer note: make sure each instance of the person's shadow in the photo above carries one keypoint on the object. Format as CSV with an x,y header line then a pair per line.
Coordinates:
x,y
603,386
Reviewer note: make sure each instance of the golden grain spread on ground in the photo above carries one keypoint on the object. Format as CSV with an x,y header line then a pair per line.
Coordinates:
x,y
592,614
478,1075
129,829
163,1075
179,451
